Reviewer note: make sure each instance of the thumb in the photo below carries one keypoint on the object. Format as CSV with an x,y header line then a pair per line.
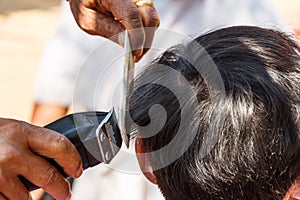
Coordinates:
x,y
51,144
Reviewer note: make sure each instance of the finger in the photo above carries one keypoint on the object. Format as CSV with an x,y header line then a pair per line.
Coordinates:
x,y
13,188
41,173
97,23
130,17
151,22
51,144
112,29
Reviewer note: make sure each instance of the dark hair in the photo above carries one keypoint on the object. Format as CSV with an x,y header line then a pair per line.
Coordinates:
x,y
256,154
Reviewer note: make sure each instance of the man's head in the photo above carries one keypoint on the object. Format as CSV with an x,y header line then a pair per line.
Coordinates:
x,y
243,137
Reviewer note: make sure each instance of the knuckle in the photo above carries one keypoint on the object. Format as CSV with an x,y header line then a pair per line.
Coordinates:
x,y
153,19
49,176
150,16
86,22
109,29
134,17
10,128
60,144
52,179
86,27
8,157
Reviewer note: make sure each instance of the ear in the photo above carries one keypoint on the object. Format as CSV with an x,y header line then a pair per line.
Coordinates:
x,y
294,191
143,161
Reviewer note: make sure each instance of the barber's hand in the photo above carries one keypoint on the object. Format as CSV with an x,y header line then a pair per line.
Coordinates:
x,y
108,18
20,147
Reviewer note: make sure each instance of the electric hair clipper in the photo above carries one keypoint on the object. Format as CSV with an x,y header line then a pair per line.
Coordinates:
x,y
96,136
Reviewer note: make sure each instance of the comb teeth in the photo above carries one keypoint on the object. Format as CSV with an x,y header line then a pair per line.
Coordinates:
x,y
128,76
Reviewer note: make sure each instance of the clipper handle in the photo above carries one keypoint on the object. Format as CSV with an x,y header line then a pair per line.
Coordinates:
x,y
80,129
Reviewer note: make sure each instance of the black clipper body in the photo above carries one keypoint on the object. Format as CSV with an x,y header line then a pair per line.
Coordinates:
x,y
96,136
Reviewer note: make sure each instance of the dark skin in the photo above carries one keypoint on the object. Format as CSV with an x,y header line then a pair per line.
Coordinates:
x,y
108,18
21,147
22,144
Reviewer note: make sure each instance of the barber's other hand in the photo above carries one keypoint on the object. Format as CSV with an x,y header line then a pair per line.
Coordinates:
x,y
20,147
108,18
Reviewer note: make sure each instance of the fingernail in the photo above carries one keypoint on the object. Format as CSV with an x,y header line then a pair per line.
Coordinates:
x,y
138,54
69,197
79,172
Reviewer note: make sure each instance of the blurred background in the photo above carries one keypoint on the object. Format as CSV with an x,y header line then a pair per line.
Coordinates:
x,y
25,27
